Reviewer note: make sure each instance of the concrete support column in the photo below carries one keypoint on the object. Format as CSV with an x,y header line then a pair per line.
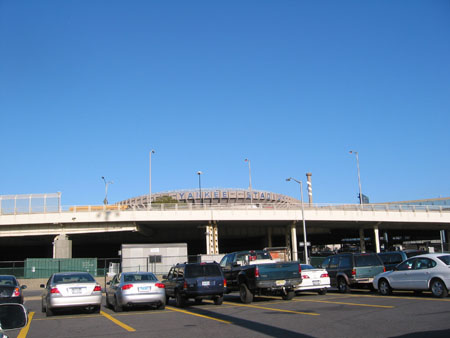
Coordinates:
x,y
269,237
62,247
377,238
294,241
362,243
212,239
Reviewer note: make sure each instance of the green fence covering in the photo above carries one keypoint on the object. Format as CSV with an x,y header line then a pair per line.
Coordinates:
x,y
45,267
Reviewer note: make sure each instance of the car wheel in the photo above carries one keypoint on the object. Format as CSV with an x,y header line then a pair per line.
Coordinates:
x,y
167,299
288,296
180,301
108,304
42,306
384,288
117,307
322,292
438,288
48,312
245,294
218,300
161,306
96,309
342,286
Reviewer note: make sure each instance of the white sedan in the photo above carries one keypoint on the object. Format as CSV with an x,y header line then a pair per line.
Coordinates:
x,y
418,273
314,279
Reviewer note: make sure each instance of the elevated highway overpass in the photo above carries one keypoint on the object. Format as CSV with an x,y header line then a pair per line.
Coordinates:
x,y
208,225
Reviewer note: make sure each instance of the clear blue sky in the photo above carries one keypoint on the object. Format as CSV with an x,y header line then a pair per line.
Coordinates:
x,y
88,88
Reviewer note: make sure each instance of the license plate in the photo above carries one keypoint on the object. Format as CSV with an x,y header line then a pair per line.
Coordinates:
x,y
144,288
75,291
205,283
316,282
280,282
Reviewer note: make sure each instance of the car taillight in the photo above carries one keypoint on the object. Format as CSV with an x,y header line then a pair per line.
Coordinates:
x,y
384,269
353,272
224,283
299,269
98,288
256,272
16,292
160,285
127,286
324,275
305,276
185,286
54,290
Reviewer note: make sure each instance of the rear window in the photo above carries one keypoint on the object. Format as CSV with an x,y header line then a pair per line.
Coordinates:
x,y
78,278
139,278
207,270
367,260
445,259
8,280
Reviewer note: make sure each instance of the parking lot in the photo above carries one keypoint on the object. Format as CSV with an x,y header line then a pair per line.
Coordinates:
x,y
359,313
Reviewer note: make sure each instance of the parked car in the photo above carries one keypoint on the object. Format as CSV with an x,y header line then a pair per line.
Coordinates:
x,y
348,270
392,258
419,273
254,272
195,280
135,288
314,279
10,290
67,290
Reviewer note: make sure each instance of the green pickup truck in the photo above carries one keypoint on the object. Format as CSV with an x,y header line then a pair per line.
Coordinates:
x,y
255,273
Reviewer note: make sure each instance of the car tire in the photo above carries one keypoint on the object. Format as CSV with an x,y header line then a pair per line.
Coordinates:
x,y
245,294
438,288
343,286
96,309
288,296
42,307
218,300
180,300
117,306
167,299
322,292
161,306
108,304
48,312
384,288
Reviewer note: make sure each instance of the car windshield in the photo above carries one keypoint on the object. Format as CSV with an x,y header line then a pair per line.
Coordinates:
x,y
199,270
73,278
7,280
148,277
445,259
367,260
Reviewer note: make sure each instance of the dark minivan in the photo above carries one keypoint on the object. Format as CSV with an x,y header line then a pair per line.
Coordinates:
x,y
353,270
195,280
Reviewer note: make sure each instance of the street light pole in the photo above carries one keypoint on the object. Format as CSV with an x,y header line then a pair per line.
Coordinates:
x,y
359,177
249,180
150,180
305,247
199,173
105,201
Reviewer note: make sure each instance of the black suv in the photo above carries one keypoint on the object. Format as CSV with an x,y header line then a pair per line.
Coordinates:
x,y
195,280
353,269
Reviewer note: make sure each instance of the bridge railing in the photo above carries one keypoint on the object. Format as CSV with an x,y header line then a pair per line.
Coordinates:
x,y
32,209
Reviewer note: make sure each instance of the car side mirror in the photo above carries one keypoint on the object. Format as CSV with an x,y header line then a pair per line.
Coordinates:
x,y
23,287
12,316
108,283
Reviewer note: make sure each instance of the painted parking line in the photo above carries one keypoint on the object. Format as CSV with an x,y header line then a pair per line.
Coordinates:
x,y
23,333
400,296
197,315
273,309
118,322
343,303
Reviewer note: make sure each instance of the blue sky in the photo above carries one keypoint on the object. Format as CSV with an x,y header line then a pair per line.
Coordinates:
x,y
88,88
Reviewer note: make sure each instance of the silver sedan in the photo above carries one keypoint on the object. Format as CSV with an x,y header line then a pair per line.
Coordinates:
x,y
135,288
71,290
418,273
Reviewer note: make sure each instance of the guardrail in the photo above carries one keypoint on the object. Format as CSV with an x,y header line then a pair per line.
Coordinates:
x,y
228,206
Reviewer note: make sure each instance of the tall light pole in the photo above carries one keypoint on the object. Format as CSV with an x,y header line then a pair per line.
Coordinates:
x,y
249,180
359,177
150,180
305,247
105,201
199,173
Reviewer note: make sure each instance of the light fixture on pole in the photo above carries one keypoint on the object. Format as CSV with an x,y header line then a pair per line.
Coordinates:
x,y
150,180
249,180
105,201
305,247
359,177
199,173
